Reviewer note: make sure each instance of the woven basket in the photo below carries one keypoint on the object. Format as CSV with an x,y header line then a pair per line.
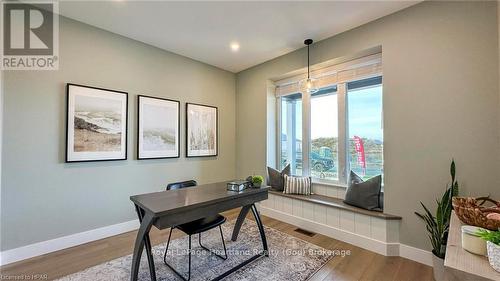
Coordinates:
x,y
472,212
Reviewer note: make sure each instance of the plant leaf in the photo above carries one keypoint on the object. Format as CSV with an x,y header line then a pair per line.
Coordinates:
x,y
452,171
427,211
439,214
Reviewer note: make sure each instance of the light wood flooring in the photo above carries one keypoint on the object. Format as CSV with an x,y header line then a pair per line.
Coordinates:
x,y
360,265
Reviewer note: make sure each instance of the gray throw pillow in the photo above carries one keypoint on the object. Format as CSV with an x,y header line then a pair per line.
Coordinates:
x,y
275,177
364,194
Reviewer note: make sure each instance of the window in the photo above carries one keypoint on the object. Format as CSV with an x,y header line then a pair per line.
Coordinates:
x,y
342,123
324,134
364,99
291,133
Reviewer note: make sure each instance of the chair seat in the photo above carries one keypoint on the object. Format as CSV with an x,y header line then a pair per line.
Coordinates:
x,y
202,225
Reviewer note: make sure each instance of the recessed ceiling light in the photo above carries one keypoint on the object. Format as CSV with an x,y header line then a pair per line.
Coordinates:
x,y
235,46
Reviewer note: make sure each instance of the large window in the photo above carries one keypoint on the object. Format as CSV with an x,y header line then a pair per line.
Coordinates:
x,y
342,123
364,99
323,156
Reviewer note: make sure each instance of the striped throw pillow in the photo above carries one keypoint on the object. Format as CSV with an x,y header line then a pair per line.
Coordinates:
x,y
297,185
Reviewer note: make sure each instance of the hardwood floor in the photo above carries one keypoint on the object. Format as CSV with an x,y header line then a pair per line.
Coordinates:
x,y
360,265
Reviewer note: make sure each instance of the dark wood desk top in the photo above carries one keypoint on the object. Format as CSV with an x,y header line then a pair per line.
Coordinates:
x,y
172,201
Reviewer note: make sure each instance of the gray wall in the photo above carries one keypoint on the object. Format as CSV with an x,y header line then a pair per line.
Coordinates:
x,y
498,27
44,198
441,100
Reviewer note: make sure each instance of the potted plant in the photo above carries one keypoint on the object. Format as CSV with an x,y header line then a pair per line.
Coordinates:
x,y
438,225
257,181
493,245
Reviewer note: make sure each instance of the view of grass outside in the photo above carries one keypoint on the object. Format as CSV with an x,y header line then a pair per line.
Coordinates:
x,y
373,155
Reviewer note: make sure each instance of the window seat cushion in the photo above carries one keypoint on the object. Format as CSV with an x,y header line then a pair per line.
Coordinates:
x,y
336,203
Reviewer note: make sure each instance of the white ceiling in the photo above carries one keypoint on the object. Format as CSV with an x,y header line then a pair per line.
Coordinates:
x,y
203,30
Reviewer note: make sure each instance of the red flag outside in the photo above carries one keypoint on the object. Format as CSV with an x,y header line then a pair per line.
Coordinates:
x,y
360,150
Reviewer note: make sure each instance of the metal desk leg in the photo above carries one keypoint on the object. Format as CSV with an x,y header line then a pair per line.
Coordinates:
x,y
239,221
261,230
142,240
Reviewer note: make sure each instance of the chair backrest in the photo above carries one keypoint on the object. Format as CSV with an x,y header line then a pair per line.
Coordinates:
x,y
182,184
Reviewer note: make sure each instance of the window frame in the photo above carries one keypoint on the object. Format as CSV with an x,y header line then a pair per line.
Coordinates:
x,y
279,131
343,125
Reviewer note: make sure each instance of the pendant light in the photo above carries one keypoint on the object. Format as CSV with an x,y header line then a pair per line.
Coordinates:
x,y
309,85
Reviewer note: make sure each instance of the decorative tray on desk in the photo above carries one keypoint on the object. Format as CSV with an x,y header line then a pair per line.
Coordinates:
x,y
238,185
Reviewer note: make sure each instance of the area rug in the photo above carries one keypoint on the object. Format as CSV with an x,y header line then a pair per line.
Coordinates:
x,y
290,258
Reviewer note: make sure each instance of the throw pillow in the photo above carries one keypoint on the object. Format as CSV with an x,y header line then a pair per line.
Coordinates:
x,y
297,185
275,177
364,194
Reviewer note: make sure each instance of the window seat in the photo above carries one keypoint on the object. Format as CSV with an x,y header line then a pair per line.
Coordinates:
x,y
330,216
336,203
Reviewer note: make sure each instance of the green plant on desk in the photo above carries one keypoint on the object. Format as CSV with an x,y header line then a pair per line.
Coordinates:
x,y
488,235
492,245
257,181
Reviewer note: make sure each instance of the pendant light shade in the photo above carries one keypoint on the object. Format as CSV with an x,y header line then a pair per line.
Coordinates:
x,y
308,85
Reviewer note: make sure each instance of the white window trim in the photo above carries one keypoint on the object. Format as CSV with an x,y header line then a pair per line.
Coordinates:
x,y
323,182
358,69
343,145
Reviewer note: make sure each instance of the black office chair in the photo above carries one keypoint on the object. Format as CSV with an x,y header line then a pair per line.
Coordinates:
x,y
195,227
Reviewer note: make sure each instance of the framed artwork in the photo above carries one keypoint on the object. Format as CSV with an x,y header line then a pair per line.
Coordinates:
x,y
201,130
158,126
96,124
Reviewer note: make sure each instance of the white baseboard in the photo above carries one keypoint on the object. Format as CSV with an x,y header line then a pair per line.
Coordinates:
x,y
380,247
64,242
415,254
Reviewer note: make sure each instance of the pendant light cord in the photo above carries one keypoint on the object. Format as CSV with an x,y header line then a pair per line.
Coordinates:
x,y
310,86
308,73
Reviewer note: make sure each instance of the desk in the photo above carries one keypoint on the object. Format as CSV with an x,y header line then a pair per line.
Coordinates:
x,y
462,265
170,208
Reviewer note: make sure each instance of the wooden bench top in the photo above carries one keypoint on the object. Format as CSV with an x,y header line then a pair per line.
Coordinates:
x,y
335,203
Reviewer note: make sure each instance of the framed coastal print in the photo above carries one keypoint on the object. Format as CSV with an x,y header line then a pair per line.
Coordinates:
x,y
158,128
201,130
96,124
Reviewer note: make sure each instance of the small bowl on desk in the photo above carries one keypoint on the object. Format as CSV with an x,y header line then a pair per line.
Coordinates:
x,y
471,242
256,185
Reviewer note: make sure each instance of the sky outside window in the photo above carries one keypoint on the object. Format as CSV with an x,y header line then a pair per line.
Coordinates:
x,y
365,113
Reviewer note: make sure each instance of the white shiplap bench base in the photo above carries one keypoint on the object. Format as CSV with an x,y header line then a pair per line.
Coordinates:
x,y
369,232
